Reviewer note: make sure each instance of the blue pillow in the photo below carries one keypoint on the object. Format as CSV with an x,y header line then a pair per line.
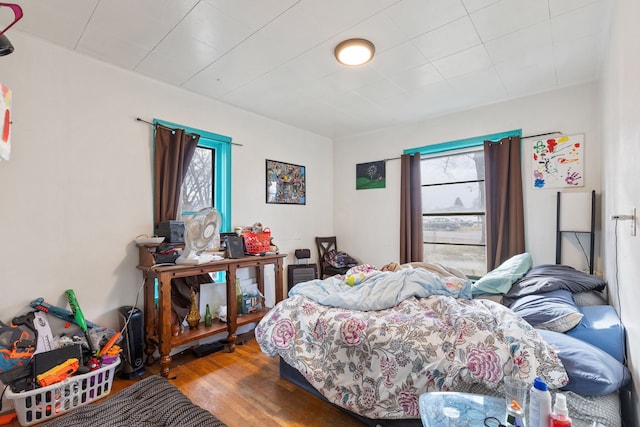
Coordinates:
x,y
591,371
499,280
553,311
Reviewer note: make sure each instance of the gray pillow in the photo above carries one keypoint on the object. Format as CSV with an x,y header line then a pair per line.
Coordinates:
x,y
591,371
589,298
554,311
550,277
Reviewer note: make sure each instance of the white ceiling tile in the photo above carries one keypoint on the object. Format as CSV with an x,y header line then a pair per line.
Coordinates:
x,y
178,58
120,52
276,58
577,60
558,7
61,22
534,78
399,59
507,16
352,78
447,40
479,87
252,13
379,91
212,27
473,5
443,99
417,17
519,43
142,23
579,23
417,77
464,62
221,77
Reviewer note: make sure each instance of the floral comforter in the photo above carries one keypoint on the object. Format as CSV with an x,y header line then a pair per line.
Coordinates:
x,y
377,363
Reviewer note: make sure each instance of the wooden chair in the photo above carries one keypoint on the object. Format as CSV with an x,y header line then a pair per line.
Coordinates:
x,y
325,244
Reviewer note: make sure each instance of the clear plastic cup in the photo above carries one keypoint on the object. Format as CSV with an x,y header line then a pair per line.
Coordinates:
x,y
515,389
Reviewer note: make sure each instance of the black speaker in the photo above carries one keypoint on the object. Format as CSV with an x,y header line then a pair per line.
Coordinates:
x,y
133,342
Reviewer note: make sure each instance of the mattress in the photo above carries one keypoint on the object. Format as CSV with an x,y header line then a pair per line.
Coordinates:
x,y
585,411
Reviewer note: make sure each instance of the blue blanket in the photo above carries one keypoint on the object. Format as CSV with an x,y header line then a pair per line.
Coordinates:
x,y
382,290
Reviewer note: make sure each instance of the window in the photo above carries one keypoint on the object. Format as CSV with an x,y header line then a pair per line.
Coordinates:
x,y
453,203
208,179
453,210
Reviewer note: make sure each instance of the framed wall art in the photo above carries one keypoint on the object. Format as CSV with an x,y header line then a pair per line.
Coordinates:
x,y
558,162
370,175
285,183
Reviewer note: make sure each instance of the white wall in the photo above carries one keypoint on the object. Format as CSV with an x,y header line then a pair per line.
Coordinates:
x,y
78,187
372,235
621,156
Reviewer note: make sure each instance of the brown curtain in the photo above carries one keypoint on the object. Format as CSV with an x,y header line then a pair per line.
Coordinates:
x,y
504,208
174,149
411,244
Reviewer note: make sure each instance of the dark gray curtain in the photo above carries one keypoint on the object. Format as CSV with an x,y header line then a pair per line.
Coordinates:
x,y
504,207
173,151
411,243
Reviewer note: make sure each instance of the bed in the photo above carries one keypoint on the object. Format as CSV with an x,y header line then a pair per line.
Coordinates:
x,y
372,341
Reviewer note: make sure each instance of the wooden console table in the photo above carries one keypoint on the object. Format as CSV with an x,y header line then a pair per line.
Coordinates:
x,y
158,319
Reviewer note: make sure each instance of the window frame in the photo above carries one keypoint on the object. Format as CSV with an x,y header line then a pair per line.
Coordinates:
x,y
457,146
221,144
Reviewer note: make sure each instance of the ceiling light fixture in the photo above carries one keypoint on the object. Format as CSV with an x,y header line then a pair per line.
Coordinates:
x,y
354,52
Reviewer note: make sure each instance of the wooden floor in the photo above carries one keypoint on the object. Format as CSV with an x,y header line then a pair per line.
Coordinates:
x,y
244,388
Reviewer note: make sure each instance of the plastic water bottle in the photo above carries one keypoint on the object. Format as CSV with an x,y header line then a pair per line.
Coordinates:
x,y
560,415
539,404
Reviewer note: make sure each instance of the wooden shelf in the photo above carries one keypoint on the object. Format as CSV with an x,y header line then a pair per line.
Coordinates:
x,y
217,327
158,318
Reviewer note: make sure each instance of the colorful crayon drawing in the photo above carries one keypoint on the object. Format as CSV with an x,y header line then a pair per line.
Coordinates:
x,y
5,123
558,162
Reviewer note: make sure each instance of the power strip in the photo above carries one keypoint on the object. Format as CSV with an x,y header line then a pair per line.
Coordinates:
x,y
631,217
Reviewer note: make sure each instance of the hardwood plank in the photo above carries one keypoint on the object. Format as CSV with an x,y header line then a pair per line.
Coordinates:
x,y
243,389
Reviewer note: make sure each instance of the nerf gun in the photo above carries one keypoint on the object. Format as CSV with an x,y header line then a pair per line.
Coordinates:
x,y
61,313
77,314
58,373
109,345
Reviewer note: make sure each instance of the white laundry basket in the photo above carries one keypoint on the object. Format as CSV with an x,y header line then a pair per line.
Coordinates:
x,y
36,406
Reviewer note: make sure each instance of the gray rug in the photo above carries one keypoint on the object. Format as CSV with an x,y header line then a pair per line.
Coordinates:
x,y
152,402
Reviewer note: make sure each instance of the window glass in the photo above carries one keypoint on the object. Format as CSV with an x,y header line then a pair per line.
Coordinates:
x,y
453,210
464,197
464,166
198,185
471,260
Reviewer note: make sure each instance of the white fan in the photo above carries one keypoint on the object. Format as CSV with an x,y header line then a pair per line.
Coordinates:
x,y
199,230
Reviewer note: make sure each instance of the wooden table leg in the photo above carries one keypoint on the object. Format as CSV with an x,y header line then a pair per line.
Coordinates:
x,y
164,323
232,307
149,317
279,280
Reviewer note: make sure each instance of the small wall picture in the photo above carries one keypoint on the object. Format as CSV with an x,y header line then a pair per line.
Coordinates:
x,y
285,183
370,175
